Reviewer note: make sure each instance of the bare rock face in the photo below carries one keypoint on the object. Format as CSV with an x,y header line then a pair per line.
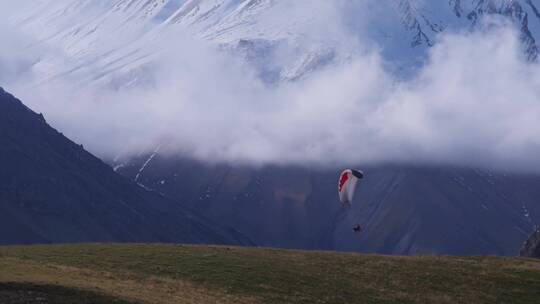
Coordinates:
x,y
531,247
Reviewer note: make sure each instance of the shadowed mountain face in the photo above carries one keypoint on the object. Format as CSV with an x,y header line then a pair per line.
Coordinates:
x,y
52,190
531,247
403,210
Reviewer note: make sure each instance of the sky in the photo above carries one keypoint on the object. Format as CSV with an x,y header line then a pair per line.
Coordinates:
x,y
474,100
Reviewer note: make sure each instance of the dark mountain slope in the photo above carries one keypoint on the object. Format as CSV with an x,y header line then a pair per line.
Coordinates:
x,y
52,190
404,209
531,247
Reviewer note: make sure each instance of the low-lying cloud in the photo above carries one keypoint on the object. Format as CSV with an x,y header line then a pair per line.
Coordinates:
x,y
475,102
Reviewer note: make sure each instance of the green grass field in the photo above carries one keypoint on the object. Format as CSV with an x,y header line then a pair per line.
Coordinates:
x,y
203,274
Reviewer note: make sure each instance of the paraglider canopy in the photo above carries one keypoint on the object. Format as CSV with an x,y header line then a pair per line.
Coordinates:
x,y
347,185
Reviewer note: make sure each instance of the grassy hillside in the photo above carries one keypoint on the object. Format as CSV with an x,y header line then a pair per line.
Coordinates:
x,y
199,274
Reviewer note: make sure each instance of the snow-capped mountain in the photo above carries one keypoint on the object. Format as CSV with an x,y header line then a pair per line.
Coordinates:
x,y
429,19
112,41
121,36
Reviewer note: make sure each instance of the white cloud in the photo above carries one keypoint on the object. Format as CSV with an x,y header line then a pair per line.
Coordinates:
x,y
475,102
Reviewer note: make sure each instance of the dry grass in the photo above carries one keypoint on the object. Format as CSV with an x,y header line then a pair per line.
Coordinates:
x,y
150,289
209,274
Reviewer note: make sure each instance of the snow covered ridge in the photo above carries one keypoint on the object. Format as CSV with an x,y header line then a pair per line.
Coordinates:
x,y
282,39
425,19
124,34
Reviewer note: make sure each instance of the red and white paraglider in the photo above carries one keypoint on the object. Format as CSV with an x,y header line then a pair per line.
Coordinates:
x,y
347,185
346,188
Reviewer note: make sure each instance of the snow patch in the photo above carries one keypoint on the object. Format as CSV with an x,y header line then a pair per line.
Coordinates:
x,y
146,164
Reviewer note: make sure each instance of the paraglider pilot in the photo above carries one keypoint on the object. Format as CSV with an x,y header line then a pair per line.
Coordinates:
x,y
346,188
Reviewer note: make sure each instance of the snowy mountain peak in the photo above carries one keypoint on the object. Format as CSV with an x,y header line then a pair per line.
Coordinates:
x,y
119,37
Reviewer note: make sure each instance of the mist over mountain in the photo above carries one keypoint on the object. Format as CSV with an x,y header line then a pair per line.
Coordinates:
x,y
286,81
